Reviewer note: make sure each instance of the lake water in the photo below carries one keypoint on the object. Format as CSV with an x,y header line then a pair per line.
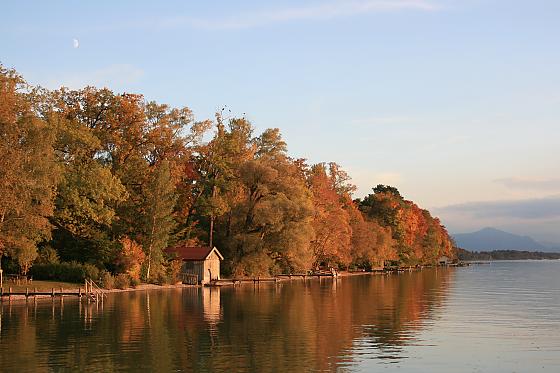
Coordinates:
x,y
500,317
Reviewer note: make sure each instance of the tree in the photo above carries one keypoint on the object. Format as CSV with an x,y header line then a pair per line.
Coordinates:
x,y
28,172
270,144
419,237
267,228
87,192
331,221
372,244
218,165
158,219
271,224
380,188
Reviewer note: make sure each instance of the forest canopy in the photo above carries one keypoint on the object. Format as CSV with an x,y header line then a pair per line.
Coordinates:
x,y
111,180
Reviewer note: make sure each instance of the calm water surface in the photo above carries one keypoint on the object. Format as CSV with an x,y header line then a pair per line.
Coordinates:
x,y
501,317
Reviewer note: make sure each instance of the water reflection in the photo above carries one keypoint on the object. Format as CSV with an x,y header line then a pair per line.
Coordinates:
x,y
288,326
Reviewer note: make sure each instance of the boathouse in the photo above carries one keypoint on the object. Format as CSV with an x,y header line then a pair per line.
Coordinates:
x,y
201,264
443,260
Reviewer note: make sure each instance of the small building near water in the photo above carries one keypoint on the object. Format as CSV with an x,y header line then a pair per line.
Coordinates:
x,y
201,264
444,260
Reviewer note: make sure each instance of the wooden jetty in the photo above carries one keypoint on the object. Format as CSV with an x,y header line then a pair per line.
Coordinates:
x,y
275,279
91,292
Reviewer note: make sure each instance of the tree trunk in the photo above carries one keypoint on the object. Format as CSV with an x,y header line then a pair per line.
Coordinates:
x,y
211,233
150,247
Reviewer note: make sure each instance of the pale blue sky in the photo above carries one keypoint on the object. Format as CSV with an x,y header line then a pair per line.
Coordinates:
x,y
454,102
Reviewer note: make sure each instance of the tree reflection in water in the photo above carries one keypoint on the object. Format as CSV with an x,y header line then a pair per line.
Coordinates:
x,y
288,326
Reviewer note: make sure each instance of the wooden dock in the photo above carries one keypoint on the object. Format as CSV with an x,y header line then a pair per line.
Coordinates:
x,y
275,279
91,292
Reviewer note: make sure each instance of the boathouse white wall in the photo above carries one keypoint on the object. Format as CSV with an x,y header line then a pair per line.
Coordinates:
x,y
205,270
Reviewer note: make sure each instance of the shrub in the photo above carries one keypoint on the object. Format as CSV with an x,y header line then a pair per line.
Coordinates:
x,y
122,281
174,270
131,258
162,278
107,281
65,271
91,271
253,265
25,255
134,281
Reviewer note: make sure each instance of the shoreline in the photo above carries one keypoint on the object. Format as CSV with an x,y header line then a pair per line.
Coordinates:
x,y
219,283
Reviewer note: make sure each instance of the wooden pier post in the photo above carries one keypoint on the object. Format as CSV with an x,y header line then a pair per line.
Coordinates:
x,y
52,294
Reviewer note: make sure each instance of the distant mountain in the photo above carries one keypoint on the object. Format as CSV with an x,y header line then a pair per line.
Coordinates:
x,y
489,239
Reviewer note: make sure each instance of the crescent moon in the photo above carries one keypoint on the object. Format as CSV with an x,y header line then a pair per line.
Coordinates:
x,y
76,43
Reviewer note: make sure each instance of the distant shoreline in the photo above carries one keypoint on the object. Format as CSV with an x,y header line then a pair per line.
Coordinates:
x,y
467,255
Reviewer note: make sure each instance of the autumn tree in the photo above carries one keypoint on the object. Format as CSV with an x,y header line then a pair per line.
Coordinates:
x,y
419,237
331,221
371,243
112,179
28,173
269,227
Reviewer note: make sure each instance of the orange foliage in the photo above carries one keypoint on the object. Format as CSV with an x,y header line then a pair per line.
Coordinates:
x,y
131,258
420,237
331,221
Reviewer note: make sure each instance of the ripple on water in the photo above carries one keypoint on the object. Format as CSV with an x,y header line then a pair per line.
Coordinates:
x,y
491,318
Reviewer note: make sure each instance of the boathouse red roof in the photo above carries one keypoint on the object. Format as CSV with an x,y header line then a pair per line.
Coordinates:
x,y
193,252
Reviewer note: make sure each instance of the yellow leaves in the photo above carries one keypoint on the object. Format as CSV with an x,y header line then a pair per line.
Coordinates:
x,y
27,171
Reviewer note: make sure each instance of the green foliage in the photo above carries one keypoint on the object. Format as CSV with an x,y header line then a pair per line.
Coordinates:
x,y
380,189
158,220
47,255
99,249
382,208
254,264
86,199
271,218
65,271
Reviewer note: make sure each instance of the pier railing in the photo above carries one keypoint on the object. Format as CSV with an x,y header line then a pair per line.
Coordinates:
x,y
94,291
